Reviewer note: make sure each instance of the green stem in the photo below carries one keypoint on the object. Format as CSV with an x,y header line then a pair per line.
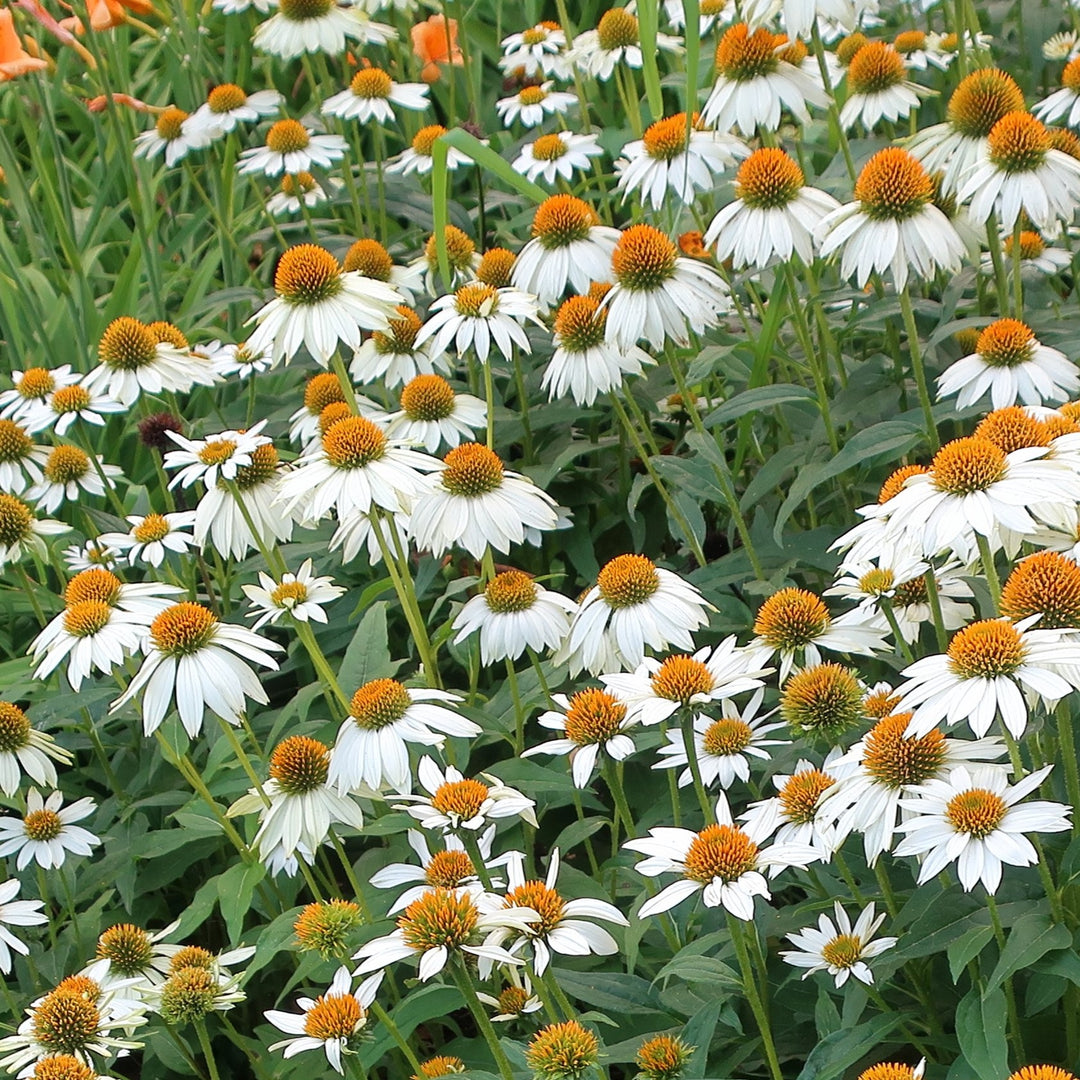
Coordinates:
x,y
1018,285
690,746
519,712
350,874
1067,738
483,1023
207,1049
989,569
934,598
472,847
383,1017
917,367
1015,1034
885,605
993,240
750,987
338,366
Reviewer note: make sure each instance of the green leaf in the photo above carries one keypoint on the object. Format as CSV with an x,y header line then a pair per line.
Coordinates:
x,y
440,195
965,948
648,18
368,654
757,399
841,1049
486,158
980,1029
235,890
698,1033
611,990
1031,938
702,969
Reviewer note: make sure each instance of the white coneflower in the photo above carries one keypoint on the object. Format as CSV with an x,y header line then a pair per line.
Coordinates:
x,y
228,104
883,768
537,51
634,605
657,294
46,832
774,213
21,461
710,13
385,716
228,359
532,105
565,927
308,26
892,224
136,360
1014,366
302,595
475,316
724,862
840,948
656,689
985,672
320,306
584,363
454,802
952,148
878,87
973,819
299,191
723,746
569,247
31,388
559,154
302,804
513,613
474,502
922,51
975,489
1063,104
797,625
439,923
68,474
333,1022
433,415
393,354
371,96
1019,170
616,40
1063,46
217,457
67,404
21,531
417,157
753,85
23,749
174,134
675,158
201,662
1036,259
355,468
291,148
591,722
16,913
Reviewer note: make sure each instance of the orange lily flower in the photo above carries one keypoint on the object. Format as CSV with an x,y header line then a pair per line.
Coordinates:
x,y
435,43
14,59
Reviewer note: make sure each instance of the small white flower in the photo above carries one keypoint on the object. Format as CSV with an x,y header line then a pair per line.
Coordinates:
x,y
633,606
228,105
371,94
973,818
513,614
217,457
417,158
432,414
1014,366
840,948
297,192
65,405
985,672
878,88
561,153
26,750
291,148
385,716
723,862
229,359
33,387
173,135
533,105
615,41
537,51
16,913
724,745
46,833
454,803
325,27
302,595
328,1022
476,315
1064,104
590,721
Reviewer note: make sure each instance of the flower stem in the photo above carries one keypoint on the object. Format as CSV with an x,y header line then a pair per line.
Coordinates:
x,y
1015,1034
476,1007
934,597
519,711
989,569
340,371
690,745
383,1017
207,1049
917,367
750,987
1018,284
993,240
1067,739
472,847
890,617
